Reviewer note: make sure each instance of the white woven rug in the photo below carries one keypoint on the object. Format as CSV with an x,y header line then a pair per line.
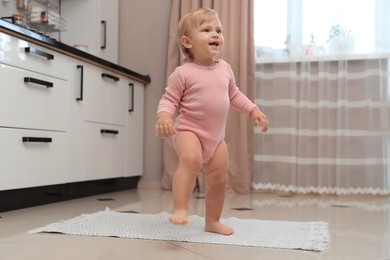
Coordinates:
x,y
247,232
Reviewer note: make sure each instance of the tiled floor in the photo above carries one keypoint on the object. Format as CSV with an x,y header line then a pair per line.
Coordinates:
x,y
359,228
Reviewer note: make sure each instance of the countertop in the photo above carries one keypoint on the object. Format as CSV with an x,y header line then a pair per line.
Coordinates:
x,y
53,44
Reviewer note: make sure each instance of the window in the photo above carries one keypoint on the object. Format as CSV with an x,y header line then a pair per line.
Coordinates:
x,y
318,27
270,23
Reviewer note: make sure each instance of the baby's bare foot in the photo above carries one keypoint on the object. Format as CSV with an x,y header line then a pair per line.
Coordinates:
x,y
179,217
219,228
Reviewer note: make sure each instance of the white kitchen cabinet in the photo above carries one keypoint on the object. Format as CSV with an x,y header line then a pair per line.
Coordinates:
x,y
104,123
31,158
93,23
135,129
26,55
105,150
103,102
33,115
104,96
32,100
66,118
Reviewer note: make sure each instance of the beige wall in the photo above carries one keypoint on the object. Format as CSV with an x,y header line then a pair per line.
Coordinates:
x,y
143,40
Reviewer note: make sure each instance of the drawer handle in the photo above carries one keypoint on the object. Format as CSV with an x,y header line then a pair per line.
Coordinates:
x,y
108,131
81,67
131,98
104,24
106,75
39,52
39,82
28,139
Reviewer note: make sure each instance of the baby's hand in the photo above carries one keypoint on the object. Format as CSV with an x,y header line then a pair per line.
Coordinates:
x,y
165,127
259,118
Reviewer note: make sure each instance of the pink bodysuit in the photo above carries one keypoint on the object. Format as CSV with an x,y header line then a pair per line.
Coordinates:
x,y
203,97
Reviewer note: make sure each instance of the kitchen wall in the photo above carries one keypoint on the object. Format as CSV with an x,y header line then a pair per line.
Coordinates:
x,y
143,41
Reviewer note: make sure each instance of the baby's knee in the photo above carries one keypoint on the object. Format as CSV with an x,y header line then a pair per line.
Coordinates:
x,y
221,180
192,161
218,180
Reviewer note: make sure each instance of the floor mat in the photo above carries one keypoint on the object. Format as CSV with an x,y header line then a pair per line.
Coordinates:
x,y
312,236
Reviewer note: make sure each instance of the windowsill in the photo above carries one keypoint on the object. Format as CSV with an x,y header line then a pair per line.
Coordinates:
x,y
330,57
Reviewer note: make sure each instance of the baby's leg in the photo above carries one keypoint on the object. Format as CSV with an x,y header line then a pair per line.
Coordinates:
x,y
216,175
189,151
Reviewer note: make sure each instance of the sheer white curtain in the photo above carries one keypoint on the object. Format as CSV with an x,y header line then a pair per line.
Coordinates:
x,y
330,126
329,118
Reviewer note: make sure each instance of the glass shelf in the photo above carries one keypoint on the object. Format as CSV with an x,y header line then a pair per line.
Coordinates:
x,y
44,16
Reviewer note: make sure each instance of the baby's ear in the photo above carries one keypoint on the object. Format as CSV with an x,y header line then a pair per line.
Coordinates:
x,y
186,42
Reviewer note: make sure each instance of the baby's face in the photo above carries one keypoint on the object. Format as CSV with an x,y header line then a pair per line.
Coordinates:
x,y
206,40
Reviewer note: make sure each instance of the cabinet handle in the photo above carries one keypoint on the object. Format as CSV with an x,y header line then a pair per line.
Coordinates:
x,y
104,23
109,131
131,98
81,67
39,52
11,18
106,75
38,81
28,139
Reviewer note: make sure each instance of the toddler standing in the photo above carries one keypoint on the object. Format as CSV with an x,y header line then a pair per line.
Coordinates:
x,y
201,90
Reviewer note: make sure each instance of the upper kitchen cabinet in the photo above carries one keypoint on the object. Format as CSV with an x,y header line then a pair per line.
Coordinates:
x,y
93,23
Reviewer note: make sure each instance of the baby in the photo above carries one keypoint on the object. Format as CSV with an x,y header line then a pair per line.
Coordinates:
x,y
201,90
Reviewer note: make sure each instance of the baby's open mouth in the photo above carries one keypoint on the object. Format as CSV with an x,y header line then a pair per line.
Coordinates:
x,y
214,43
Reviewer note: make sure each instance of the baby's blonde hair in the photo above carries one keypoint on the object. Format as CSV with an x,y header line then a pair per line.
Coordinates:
x,y
189,21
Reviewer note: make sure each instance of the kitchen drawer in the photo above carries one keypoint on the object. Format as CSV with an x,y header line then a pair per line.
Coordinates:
x,y
105,96
40,160
105,151
22,54
42,105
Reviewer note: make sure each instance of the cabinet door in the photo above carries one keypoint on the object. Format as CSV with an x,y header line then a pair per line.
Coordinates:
x,y
105,151
109,30
97,124
76,123
93,23
32,158
135,129
105,97
32,100
25,55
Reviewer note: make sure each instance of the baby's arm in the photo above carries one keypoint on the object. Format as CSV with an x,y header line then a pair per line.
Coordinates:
x,y
240,102
259,118
165,126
